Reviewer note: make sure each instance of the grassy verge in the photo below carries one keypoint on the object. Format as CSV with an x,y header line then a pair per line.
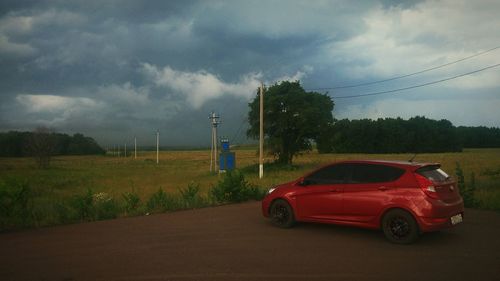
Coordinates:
x,y
22,207
85,188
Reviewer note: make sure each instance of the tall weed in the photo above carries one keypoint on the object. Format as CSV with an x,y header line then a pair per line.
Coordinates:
x,y
104,206
234,188
160,201
83,205
190,196
16,204
132,202
467,190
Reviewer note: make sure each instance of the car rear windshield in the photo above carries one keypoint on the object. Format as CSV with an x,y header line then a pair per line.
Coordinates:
x,y
433,173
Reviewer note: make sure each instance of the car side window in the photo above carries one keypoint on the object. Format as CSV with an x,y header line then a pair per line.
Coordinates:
x,y
334,174
373,173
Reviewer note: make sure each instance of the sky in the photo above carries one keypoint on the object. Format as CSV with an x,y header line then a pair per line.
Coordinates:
x,y
115,70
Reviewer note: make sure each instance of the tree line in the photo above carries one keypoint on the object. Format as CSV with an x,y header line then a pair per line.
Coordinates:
x,y
396,135
22,144
295,119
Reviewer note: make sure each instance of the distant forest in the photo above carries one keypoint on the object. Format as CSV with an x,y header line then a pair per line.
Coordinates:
x,y
18,144
388,135
396,135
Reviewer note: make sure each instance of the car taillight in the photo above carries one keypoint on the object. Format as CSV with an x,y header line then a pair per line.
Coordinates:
x,y
427,186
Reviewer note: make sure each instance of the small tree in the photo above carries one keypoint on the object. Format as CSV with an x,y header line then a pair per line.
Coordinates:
x,y
293,118
42,146
466,190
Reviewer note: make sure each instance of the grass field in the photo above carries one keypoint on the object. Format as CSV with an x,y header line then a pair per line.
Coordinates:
x,y
73,175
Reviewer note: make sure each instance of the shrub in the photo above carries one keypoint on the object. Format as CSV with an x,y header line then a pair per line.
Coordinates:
x,y
160,201
466,190
132,202
256,193
65,212
82,204
16,204
234,188
104,206
191,197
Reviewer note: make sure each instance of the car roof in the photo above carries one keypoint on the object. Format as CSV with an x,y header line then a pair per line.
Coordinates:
x,y
402,164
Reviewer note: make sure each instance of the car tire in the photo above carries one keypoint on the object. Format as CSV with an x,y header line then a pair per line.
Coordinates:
x,y
281,214
400,227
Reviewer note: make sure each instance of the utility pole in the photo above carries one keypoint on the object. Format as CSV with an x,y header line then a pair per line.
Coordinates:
x,y
125,150
135,147
157,146
261,138
214,120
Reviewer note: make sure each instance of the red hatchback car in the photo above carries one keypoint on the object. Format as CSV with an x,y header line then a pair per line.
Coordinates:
x,y
404,199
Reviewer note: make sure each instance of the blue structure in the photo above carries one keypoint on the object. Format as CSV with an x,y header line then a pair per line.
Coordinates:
x,y
227,159
224,143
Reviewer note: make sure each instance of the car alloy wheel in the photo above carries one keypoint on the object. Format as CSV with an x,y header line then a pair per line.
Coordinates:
x,y
400,227
282,214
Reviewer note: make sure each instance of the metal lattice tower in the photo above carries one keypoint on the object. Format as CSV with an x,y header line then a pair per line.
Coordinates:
x,y
214,121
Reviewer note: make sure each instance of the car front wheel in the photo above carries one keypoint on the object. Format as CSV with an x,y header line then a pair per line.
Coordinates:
x,y
281,214
400,227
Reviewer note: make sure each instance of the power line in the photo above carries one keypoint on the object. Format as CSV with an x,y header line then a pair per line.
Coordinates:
x,y
405,75
237,134
420,85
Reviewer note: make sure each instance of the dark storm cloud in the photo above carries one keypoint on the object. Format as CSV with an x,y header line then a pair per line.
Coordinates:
x,y
113,69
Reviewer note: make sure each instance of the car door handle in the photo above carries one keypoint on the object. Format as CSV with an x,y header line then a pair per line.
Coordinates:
x,y
334,190
382,188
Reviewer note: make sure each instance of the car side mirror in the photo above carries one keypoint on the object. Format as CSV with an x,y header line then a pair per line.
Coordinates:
x,y
304,182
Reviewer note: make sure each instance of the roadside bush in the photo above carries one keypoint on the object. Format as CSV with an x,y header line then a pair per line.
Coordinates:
x,y
191,197
256,193
132,202
83,206
104,206
234,188
160,201
65,213
16,204
467,191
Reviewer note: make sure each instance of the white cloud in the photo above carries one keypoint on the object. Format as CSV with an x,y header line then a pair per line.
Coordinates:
x,y
399,41
296,77
52,103
55,111
124,94
200,86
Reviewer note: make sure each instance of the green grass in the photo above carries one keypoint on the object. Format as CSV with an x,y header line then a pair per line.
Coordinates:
x,y
131,183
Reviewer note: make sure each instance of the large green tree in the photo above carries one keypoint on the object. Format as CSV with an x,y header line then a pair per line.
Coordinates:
x,y
293,118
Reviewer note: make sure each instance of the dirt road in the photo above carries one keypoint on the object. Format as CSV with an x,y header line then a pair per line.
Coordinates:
x,y
235,242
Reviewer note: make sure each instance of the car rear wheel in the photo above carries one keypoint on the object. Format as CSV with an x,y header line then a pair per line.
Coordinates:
x,y
400,227
282,214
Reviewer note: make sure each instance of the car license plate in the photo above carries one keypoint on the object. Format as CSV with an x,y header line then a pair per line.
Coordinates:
x,y
456,219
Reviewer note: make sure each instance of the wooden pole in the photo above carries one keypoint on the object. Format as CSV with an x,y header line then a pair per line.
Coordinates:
x,y
157,146
261,139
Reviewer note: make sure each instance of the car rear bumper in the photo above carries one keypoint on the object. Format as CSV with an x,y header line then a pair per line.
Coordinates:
x,y
438,215
434,224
